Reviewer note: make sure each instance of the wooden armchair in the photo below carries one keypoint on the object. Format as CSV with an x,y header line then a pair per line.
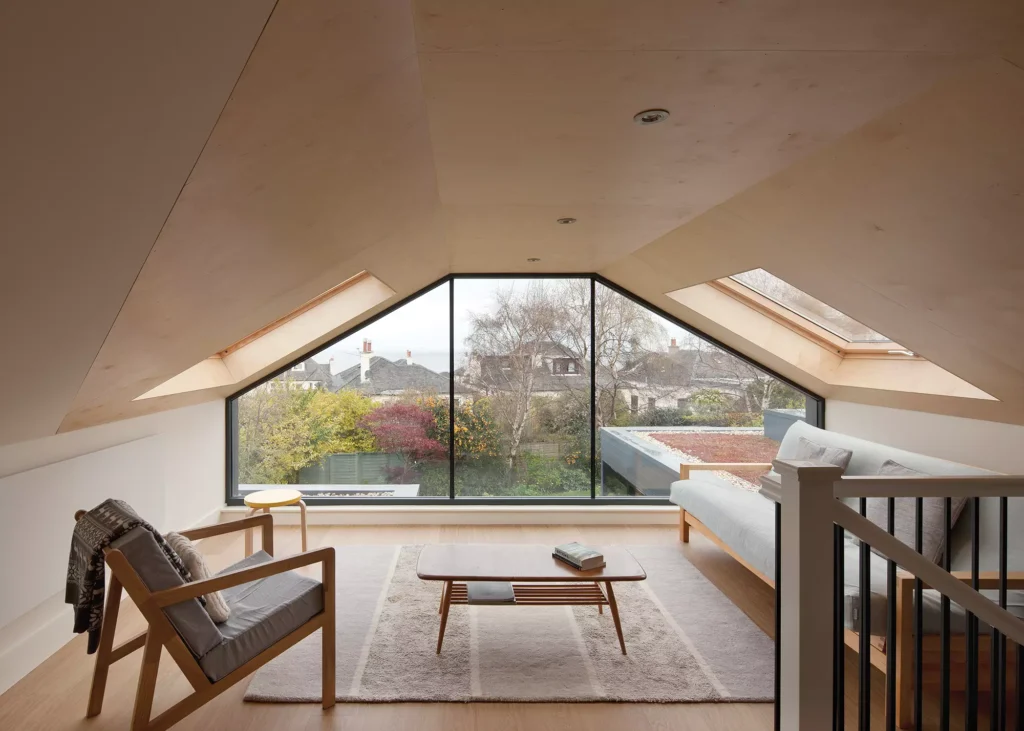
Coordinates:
x,y
178,622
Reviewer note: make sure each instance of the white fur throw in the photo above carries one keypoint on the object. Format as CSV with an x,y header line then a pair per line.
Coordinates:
x,y
215,605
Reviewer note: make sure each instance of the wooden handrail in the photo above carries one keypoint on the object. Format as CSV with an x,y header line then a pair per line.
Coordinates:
x,y
930,486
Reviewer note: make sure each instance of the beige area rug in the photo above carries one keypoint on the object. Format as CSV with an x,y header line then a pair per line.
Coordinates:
x,y
686,642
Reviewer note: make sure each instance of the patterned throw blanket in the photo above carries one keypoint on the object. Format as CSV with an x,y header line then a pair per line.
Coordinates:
x,y
95,531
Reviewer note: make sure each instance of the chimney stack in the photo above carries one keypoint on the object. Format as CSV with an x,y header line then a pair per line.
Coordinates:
x,y
673,348
408,357
364,361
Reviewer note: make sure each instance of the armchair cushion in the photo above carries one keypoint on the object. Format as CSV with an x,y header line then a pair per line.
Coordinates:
x,y
262,612
148,560
194,561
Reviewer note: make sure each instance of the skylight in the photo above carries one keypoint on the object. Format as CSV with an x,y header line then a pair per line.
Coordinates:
x,y
800,303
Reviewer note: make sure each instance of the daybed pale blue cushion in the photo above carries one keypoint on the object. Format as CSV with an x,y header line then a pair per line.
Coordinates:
x,y
262,612
743,520
197,630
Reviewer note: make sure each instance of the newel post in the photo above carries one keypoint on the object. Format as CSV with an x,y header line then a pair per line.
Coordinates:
x,y
807,594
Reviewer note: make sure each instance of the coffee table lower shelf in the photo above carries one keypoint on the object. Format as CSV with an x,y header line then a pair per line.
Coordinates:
x,y
540,594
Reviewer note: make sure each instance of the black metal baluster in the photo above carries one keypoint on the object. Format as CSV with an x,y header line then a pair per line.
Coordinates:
x,y
890,629
838,635
778,614
971,706
1000,690
1020,687
918,620
864,718
944,638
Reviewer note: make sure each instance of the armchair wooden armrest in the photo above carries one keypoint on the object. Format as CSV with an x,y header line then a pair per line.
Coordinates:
x,y
178,594
685,469
263,521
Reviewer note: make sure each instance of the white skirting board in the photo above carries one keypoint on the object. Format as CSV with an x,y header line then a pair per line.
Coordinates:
x,y
471,515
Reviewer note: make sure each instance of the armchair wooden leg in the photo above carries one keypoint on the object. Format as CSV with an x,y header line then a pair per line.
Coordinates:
x,y
327,634
147,682
684,527
103,653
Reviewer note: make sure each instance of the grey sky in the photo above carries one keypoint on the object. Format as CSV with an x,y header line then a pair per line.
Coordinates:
x,y
422,326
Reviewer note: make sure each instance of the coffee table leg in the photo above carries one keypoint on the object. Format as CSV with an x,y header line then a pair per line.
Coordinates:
x,y
444,593
615,615
445,604
600,607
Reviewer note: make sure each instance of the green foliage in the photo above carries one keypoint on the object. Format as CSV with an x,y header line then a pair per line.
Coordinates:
x,y
282,430
476,433
675,417
709,403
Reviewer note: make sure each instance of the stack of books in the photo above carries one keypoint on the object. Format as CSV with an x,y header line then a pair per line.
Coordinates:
x,y
579,556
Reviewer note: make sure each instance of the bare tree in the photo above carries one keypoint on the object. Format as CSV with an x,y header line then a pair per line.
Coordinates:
x,y
506,347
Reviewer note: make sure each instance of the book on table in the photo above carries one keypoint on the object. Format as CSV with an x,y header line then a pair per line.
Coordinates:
x,y
579,556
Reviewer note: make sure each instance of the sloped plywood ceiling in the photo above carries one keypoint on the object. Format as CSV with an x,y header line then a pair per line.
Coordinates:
x,y
410,139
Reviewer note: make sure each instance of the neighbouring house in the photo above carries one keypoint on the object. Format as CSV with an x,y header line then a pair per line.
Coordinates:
x,y
547,368
386,380
307,375
667,379
653,380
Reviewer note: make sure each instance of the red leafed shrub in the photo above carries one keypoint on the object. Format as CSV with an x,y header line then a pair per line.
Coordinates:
x,y
402,429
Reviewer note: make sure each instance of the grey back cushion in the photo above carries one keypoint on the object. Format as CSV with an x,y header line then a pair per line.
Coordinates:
x,y
933,538
814,452
189,618
868,458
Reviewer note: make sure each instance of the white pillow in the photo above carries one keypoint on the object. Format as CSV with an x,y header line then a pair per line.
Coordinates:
x,y
216,607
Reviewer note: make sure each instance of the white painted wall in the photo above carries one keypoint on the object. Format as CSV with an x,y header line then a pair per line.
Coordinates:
x,y
988,444
168,466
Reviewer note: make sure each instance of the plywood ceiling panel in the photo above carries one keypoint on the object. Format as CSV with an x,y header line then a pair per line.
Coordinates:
x,y
410,139
653,25
521,138
106,107
323,152
911,225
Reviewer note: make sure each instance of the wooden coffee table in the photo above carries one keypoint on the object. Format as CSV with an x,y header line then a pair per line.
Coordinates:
x,y
537,578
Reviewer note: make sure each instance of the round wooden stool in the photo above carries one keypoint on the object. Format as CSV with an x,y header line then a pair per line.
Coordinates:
x,y
277,498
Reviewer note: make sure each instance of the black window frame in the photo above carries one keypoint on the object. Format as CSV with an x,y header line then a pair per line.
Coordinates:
x,y
815,403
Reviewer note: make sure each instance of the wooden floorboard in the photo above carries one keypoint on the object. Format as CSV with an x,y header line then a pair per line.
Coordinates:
x,y
53,697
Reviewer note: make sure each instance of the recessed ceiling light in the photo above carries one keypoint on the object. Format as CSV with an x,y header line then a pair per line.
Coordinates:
x,y
533,260
650,116
566,221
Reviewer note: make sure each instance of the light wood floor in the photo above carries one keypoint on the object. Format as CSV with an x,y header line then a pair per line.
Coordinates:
x,y
53,696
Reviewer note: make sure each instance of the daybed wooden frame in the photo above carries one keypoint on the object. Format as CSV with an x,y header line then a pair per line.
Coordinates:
x,y
161,632
931,646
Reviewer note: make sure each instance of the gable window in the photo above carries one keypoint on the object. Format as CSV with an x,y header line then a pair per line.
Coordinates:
x,y
488,411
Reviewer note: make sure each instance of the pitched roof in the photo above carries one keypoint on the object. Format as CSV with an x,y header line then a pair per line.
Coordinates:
x,y
393,377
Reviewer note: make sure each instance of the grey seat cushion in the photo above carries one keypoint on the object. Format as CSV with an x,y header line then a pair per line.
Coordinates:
x,y
262,612
743,520
189,618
